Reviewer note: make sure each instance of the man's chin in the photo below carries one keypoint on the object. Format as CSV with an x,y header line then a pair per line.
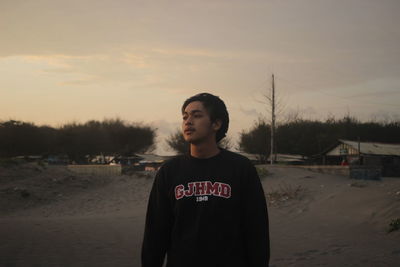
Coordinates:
x,y
191,140
188,139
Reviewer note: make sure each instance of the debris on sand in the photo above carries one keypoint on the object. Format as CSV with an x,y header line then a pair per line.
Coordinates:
x,y
284,193
357,184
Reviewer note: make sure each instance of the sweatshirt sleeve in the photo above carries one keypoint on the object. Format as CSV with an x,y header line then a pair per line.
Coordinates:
x,y
158,224
255,220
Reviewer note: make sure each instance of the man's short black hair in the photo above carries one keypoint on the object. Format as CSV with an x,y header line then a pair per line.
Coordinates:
x,y
216,109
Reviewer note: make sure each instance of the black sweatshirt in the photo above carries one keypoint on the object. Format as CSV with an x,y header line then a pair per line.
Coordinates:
x,y
207,212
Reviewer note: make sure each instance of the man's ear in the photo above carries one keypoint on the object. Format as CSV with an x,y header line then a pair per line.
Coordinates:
x,y
217,125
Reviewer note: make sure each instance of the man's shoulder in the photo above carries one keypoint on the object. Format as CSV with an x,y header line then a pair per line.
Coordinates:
x,y
226,155
173,161
236,157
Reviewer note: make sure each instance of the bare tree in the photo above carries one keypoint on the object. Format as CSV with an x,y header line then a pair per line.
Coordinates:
x,y
275,107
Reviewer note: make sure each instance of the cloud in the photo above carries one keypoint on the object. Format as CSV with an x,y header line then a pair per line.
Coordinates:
x,y
58,70
76,82
377,94
250,112
187,52
305,42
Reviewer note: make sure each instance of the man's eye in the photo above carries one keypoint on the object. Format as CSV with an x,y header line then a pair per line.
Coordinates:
x,y
184,118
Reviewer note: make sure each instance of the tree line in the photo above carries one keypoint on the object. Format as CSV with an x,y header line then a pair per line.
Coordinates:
x,y
116,137
76,140
311,137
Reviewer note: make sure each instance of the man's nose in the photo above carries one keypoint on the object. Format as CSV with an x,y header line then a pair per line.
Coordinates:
x,y
188,121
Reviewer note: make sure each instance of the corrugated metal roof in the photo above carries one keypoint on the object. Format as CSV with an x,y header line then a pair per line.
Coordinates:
x,y
374,148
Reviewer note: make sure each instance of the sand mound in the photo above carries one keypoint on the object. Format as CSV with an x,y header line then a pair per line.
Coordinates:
x,y
332,220
32,190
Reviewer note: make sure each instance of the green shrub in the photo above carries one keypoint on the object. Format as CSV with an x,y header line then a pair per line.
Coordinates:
x,y
394,225
8,162
42,164
262,172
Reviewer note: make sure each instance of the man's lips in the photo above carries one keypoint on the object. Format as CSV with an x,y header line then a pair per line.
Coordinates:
x,y
189,131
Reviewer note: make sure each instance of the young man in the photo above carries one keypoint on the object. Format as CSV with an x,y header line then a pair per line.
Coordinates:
x,y
206,208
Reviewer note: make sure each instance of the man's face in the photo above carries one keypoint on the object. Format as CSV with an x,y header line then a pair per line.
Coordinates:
x,y
196,124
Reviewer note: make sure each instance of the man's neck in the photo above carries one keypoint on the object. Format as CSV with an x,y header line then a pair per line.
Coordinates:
x,y
204,151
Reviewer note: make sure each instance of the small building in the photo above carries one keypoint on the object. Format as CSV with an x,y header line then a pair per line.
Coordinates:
x,y
288,159
61,159
126,160
150,162
382,155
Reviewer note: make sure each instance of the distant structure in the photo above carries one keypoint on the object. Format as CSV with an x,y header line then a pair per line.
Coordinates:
x,y
382,155
150,162
288,159
282,159
134,162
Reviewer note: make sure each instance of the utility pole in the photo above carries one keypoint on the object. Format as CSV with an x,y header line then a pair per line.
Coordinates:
x,y
272,158
359,152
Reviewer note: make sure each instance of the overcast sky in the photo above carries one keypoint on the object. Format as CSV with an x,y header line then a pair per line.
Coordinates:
x,y
63,61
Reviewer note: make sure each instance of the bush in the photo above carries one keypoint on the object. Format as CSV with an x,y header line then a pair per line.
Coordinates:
x,y
394,225
285,192
262,172
8,162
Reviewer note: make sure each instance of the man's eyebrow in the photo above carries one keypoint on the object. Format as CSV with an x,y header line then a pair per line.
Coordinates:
x,y
193,111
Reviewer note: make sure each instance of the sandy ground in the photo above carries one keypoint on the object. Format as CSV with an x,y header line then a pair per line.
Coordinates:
x,y
53,217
